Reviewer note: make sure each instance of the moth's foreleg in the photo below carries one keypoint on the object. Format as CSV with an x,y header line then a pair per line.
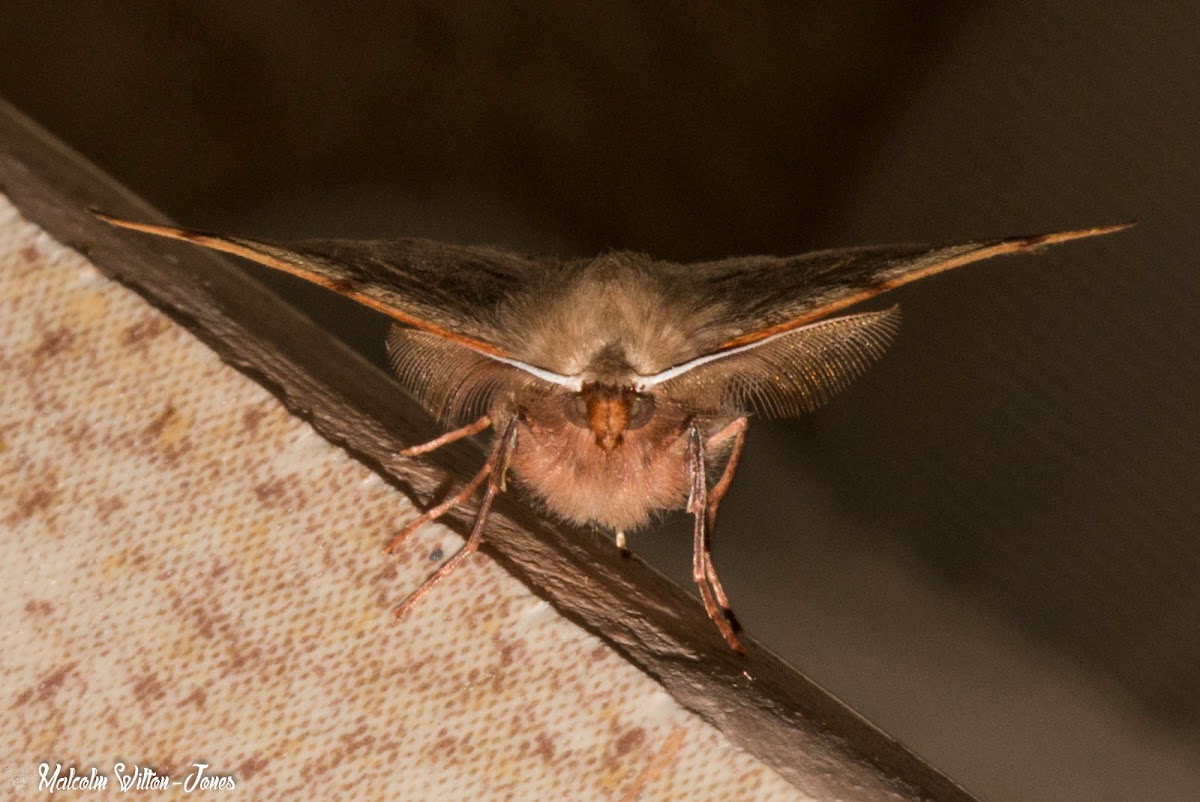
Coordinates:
x,y
737,430
701,565
493,471
458,498
449,437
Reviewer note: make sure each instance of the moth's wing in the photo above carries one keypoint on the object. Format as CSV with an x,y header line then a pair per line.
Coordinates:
x,y
764,296
449,291
777,351
793,372
454,383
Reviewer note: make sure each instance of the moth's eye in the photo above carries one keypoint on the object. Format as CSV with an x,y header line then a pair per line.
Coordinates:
x,y
641,410
575,409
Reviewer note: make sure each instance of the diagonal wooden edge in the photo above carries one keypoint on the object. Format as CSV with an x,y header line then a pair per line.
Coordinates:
x,y
761,704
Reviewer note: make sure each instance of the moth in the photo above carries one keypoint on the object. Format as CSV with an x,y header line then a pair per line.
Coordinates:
x,y
617,387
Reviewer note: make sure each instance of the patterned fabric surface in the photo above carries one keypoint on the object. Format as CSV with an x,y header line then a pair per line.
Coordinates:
x,y
193,576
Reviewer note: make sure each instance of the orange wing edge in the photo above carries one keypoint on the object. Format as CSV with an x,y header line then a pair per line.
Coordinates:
x,y
253,251
1027,244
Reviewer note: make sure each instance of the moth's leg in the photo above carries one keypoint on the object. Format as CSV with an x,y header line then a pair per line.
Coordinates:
x,y
698,507
459,497
449,437
737,430
434,513
494,471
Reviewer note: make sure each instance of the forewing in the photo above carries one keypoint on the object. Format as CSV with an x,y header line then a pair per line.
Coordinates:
x,y
791,373
763,296
450,291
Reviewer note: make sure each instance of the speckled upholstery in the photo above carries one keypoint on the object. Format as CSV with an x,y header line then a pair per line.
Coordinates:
x,y
191,575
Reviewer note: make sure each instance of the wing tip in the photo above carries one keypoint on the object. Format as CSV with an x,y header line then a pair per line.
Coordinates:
x,y
1037,241
170,232
102,215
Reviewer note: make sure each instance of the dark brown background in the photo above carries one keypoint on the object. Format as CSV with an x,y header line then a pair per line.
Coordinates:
x,y
989,545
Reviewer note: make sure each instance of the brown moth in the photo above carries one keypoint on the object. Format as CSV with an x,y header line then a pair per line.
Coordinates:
x,y
615,385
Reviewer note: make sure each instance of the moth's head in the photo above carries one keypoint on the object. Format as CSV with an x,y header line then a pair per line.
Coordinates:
x,y
607,402
609,411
